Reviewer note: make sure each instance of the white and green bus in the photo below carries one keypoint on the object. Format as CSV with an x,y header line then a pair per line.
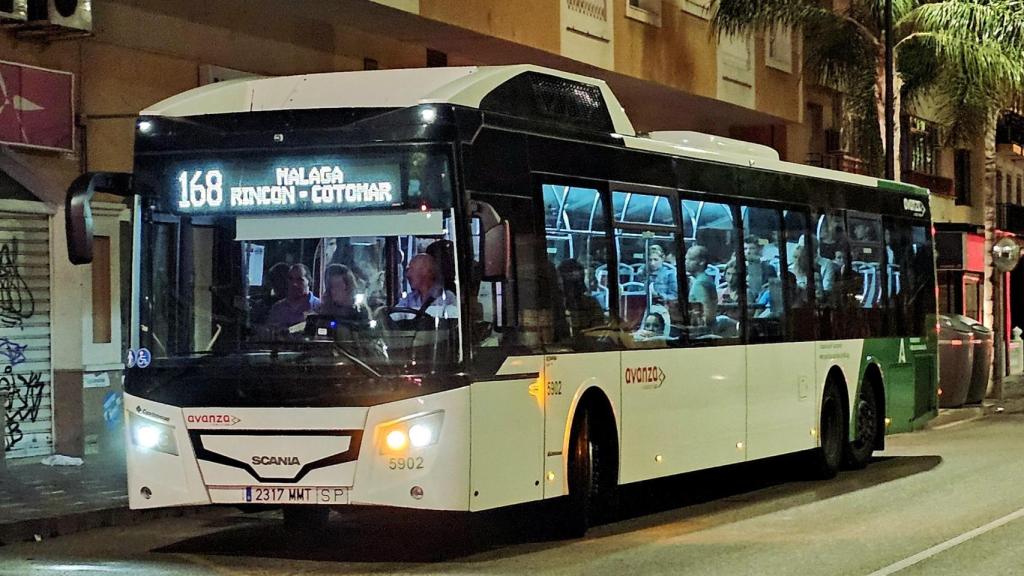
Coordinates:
x,y
467,288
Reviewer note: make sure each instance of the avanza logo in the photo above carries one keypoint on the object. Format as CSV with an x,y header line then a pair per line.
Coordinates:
x,y
650,376
221,419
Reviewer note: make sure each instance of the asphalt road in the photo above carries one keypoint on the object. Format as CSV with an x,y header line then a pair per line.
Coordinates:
x,y
944,501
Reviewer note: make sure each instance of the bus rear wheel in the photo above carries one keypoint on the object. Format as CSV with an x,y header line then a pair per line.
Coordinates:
x,y
590,477
828,457
865,414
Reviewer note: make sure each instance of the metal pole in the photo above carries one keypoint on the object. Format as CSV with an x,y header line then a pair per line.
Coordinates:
x,y
890,101
998,338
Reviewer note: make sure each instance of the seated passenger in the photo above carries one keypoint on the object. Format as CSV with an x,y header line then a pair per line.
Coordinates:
x,y
428,293
298,300
664,286
653,328
339,299
807,264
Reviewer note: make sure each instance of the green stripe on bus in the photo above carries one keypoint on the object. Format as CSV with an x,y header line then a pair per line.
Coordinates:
x,y
901,187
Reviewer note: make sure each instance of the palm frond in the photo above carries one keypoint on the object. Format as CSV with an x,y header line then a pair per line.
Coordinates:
x,y
999,21
743,16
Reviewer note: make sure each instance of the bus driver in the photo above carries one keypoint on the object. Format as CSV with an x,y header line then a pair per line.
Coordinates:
x,y
428,292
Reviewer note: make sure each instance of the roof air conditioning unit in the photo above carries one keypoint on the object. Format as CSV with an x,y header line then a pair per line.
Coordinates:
x,y
57,19
13,10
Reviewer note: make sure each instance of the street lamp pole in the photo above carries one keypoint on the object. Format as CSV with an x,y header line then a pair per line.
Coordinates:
x,y
890,105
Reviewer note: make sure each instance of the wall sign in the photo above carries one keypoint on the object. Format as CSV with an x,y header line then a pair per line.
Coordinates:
x,y
36,107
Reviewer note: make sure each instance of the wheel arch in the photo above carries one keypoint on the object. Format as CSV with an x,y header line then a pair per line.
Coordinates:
x,y
595,399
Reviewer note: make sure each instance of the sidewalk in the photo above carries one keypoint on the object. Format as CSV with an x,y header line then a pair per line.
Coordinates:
x,y
1012,403
39,501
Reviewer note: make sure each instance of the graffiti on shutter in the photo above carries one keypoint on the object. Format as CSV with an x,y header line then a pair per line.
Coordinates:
x,y
25,375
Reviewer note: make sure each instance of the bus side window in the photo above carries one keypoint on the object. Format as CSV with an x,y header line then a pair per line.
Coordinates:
x,y
576,268
797,283
765,315
714,307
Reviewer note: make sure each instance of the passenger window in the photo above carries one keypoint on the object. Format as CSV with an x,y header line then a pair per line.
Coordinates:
x,y
577,261
709,254
646,244
909,270
765,315
866,265
796,290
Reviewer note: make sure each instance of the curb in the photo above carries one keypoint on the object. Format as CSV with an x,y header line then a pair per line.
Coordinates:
x,y
43,528
951,416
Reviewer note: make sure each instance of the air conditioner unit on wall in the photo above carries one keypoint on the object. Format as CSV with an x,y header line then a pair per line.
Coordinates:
x,y
13,10
56,19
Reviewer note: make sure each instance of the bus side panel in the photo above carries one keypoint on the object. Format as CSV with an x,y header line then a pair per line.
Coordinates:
x,y
845,354
568,377
507,441
682,410
441,469
781,407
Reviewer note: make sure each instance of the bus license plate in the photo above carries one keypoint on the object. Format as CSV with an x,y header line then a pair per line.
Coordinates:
x,y
295,494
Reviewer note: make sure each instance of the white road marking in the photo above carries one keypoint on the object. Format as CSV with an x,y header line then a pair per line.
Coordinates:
x,y
939,548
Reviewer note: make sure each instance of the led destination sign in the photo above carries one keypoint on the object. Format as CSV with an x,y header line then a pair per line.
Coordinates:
x,y
284,184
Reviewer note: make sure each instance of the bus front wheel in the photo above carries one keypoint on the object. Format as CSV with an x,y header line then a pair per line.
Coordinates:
x,y
828,457
590,478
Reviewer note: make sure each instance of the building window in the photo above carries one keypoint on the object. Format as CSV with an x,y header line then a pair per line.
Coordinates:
x,y
588,17
923,146
647,11
1020,191
962,177
700,8
1000,199
779,48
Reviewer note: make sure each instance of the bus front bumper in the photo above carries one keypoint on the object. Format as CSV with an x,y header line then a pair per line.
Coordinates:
x,y
412,453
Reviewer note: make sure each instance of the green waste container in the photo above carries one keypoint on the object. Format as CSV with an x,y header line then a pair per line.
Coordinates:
x,y
982,364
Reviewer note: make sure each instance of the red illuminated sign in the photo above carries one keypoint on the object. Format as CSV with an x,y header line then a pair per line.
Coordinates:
x,y
36,107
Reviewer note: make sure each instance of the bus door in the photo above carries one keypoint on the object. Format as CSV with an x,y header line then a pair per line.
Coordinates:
x,y
507,397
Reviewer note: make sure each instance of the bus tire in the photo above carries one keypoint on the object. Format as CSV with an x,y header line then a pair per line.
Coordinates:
x,y
589,475
305,519
866,417
828,457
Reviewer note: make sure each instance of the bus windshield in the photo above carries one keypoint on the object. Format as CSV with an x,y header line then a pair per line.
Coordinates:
x,y
369,288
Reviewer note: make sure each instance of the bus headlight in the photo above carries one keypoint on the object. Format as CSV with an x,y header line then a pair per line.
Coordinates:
x,y
150,435
417,431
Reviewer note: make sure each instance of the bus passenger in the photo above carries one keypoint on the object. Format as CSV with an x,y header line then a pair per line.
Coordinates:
x,y
339,298
806,263
428,293
298,301
759,272
653,328
702,288
582,309
664,286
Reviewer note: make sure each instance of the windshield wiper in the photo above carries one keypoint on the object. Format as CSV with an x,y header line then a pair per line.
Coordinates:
x,y
355,360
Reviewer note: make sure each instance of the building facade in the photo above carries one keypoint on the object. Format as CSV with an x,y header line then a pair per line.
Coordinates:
x,y
659,56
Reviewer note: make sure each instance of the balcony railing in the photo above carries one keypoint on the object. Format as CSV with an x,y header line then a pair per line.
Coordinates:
x,y
937,184
838,160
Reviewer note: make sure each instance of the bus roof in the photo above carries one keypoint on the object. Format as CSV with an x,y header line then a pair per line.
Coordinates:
x,y
468,86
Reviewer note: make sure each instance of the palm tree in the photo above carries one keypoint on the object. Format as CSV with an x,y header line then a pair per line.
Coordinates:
x,y
967,40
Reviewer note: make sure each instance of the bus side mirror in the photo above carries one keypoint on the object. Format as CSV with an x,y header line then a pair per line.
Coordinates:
x,y
78,212
495,242
496,255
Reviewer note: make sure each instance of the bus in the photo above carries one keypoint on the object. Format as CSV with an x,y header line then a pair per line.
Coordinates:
x,y
460,289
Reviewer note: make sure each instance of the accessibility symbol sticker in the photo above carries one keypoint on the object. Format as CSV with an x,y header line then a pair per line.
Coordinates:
x,y
144,358
130,360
